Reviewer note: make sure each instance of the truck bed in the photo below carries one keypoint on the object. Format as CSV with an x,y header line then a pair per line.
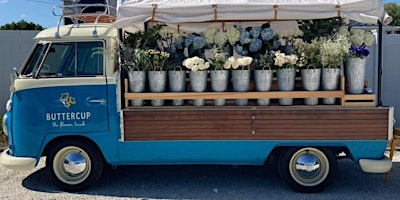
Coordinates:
x,y
256,123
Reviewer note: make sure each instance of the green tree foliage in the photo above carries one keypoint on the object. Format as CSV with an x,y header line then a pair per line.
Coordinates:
x,y
21,25
393,10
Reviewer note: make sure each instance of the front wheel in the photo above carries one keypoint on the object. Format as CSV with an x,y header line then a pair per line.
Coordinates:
x,y
74,165
308,169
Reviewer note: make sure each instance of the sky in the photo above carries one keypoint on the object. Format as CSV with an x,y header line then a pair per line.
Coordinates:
x,y
41,11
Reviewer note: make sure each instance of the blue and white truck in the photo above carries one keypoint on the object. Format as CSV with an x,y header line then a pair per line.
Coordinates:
x,y
68,103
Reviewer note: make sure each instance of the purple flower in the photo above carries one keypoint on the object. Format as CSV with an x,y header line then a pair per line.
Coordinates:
x,y
359,51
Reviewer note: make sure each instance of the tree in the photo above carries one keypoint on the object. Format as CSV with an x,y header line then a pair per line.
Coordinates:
x,y
393,10
21,25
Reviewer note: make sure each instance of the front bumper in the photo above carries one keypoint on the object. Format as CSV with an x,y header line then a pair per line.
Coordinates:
x,y
17,163
376,166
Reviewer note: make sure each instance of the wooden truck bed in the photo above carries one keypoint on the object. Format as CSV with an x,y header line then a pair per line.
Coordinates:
x,y
256,123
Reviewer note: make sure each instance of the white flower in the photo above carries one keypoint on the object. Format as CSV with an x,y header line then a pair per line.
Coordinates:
x,y
343,30
358,32
356,40
368,39
195,64
209,34
230,63
220,39
233,35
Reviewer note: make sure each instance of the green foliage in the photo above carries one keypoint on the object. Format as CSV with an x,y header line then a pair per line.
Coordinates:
x,y
21,25
393,10
145,39
319,28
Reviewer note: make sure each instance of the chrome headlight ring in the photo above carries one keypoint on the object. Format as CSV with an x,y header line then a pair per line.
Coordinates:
x,y
4,124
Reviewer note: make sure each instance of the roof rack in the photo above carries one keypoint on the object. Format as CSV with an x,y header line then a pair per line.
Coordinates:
x,y
86,13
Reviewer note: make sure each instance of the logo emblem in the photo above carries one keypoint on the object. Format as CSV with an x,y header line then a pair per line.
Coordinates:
x,y
67,100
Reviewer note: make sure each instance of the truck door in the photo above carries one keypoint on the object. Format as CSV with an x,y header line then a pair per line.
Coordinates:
x,y
70,86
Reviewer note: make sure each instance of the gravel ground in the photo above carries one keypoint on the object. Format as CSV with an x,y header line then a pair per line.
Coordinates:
x,y
201,182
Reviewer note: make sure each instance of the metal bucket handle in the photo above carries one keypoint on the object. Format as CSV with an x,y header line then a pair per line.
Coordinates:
x,y
308,67
178,67
135,68
269,68
219,68
159,68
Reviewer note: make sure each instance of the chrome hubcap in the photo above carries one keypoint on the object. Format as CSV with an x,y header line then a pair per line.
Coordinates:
x,y
309,167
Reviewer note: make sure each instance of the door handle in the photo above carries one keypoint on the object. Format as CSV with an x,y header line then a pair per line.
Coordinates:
x,y
101,101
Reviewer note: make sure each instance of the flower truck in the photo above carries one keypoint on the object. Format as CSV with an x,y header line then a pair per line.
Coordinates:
x,y
74,100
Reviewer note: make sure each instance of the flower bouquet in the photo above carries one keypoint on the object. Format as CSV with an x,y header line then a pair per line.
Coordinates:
x,y
197,75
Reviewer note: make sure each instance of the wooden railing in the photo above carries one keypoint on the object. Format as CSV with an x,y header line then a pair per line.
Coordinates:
x,y
363,100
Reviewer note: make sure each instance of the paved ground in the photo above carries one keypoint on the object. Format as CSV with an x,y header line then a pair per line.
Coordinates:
x,y
201,182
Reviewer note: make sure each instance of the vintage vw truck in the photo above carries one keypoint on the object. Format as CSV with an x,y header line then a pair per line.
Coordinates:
x,y
70,103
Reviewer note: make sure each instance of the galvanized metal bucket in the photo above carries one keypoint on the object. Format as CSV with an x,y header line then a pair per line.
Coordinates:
x,y
157,83
198,83
286,79
310,79
263,83
137,84
329,82
177,83
355,75
219,83
241,83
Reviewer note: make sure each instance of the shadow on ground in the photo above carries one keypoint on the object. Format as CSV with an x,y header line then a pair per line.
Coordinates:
x,y
222,182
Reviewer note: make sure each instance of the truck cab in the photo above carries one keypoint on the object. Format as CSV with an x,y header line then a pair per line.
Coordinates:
x,y
70,104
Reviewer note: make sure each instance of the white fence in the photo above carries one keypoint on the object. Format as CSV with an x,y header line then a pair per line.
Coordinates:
x,y
15,46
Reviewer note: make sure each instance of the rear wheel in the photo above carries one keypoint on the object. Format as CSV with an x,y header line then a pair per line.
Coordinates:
x,y
308,169
74,165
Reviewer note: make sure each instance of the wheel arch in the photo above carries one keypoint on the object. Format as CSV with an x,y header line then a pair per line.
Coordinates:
x,y
275,154
71,138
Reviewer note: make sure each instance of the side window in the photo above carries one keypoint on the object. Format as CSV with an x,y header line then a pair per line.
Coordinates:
x,y
59,61
90,58
73,60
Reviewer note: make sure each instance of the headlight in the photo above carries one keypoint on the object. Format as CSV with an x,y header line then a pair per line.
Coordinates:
x,y
8,105
5,124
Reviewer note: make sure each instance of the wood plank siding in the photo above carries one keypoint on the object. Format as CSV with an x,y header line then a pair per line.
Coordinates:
x,y
256,124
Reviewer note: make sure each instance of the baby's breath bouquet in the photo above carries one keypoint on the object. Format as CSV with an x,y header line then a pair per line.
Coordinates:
x,y
334,50
309,52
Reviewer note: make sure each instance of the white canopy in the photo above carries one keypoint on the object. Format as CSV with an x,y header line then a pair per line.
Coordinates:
x,y
131,12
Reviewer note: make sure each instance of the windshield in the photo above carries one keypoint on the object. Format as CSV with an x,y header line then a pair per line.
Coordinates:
x,y
69,59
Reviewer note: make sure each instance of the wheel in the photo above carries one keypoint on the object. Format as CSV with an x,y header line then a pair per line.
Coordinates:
x,y
307,169
74,165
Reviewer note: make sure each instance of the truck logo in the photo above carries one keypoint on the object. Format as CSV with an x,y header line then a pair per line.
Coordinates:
x,y
67,100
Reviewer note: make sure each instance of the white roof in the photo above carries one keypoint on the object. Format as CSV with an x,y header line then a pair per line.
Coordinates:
x,y
178,11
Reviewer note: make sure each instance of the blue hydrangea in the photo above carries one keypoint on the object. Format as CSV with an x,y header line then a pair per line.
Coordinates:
x,y
189,39
244,37
241,50
179,43
255,32
255,45
238,48
267,34
244,53
275,44
198,42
